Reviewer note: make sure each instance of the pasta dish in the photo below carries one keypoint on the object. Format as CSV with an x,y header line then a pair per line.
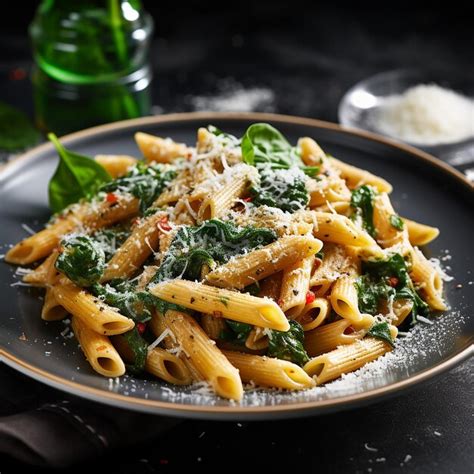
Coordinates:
x,y
239,260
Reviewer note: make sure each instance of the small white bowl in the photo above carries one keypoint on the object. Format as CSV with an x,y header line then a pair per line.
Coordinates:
x,y
362,102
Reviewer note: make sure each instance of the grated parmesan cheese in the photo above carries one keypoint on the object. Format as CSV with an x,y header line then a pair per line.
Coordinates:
x,y
427,114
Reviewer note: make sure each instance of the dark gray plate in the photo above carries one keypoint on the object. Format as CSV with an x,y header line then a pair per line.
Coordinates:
x,y
424,189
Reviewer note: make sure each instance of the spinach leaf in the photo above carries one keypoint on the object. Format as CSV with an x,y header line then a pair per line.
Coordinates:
x,y
236,332
288,345
16,130
283,189
376,284
381,331
76,177
253,289
139,348
122,294
263,143
144,182
371,292
81,260
362,201
396,222
214,241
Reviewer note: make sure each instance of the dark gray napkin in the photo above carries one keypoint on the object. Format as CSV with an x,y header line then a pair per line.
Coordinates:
x,y
46,428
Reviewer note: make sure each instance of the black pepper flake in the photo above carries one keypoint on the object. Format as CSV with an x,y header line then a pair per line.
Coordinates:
x,y
259,271
192,300
173,297
295,292
328,221
101,308
326,235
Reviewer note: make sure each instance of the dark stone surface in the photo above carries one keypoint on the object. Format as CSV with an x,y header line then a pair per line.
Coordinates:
x,y
308,59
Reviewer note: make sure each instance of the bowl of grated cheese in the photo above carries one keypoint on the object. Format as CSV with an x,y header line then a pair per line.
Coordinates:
x,y
422,109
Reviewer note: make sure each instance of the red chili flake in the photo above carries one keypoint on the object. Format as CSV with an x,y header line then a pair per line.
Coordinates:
x,y
111,197
163,224
141,327
247,199
349,330
393,281
310,297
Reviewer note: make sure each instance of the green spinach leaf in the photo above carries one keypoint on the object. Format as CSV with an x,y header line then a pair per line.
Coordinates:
x,y
381,331
236,332
139,348
144,182
214,241
264,144
288,345
396,222
81,260
76,177
283,189
362,201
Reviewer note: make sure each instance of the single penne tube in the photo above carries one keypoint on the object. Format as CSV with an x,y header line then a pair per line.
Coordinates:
x,y
142,242
219,203
161,150
295,286
88,215
269,372
345,359
167,367
338,260
387,234
44,274
329,336
52,310
341,230
428,280
158,327
219,302
420,234
332,189
205,355
99,351
258,264
40,244
356,177
116,165
314,314
212,326
311,153
94,313
401,308
344,299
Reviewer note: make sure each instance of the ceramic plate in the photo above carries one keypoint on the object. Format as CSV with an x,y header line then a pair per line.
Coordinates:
x,y
424,189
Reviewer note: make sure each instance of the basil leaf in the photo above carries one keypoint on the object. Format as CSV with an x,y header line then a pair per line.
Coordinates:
x,y
396,222
81,260
362,201
381,331
76,177
288,345
263,143
16,130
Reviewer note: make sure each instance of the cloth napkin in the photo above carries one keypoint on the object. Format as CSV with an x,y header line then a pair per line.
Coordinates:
x,y
47,428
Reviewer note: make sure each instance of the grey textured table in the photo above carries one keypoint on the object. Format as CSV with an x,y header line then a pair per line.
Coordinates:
x,y
299,65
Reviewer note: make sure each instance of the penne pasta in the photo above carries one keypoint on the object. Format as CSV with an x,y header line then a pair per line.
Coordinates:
x,y
161,150
207,358
99,351
345,359
314,314
259,264
269,372
116,165
222,303
420,234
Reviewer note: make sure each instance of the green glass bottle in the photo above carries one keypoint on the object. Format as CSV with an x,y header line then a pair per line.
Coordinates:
x,y
91,63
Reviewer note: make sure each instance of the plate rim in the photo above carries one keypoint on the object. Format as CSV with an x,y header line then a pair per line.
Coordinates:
x,y
233,411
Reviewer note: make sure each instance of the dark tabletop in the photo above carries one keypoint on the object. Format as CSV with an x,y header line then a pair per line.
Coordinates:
x,y
301,64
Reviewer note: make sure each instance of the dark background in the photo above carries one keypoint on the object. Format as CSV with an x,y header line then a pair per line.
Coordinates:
x,y
308,56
